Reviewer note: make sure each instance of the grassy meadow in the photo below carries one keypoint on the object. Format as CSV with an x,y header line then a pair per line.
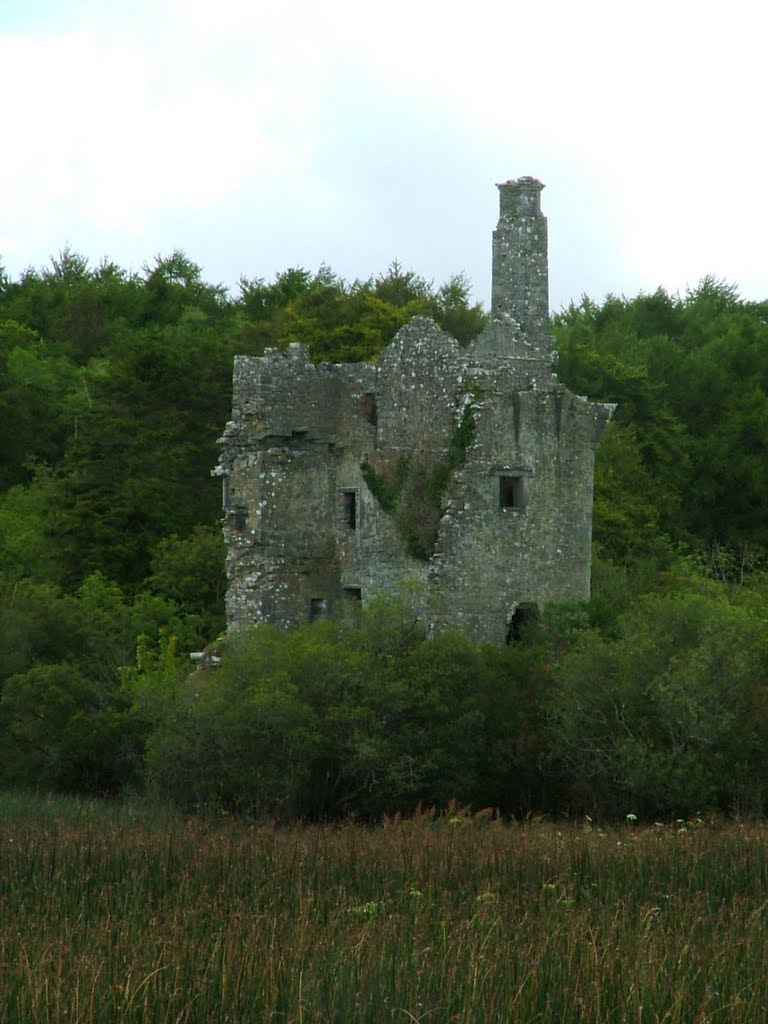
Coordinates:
x,y
112,913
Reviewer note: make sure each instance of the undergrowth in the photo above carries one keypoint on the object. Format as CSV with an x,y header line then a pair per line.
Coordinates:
x,y
154,917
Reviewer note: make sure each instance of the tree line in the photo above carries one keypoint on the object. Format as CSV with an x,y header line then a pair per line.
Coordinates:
x,y
651,698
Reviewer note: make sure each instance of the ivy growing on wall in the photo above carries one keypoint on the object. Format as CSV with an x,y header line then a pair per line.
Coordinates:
x,y
413,491
387,488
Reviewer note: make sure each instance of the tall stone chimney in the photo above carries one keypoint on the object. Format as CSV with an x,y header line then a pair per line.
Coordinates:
x,y
520,289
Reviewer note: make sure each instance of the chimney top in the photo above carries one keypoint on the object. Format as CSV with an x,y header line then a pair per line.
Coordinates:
x,y
520,196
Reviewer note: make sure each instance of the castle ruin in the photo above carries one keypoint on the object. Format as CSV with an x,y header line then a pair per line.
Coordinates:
x,y
468,470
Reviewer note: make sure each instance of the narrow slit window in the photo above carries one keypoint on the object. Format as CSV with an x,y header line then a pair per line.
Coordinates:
x,y
369,408
349,507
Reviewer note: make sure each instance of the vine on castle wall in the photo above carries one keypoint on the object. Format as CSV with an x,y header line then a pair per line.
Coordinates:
x,y
413,492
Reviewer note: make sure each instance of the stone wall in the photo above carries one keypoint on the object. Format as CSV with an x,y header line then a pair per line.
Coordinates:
x,y
330,471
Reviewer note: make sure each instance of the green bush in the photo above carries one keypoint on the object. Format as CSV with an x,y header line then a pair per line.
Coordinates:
x,y
669,715
364,718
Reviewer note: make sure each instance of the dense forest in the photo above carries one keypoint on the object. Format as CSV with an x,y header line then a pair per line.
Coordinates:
x,y
651,699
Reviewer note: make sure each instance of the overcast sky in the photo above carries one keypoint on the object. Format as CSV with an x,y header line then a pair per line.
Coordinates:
x,y
258,135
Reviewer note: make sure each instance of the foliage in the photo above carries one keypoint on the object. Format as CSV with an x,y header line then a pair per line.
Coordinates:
x,y
189,571
66,720
343,322
114,387
222,920
669,715
690,376
62,731
415,491
361,717
113,390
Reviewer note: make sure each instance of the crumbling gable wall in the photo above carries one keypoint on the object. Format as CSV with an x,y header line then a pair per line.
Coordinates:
x,y
519,529
467,470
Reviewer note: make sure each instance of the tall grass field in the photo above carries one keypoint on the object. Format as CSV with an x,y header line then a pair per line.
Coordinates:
x,y
120,913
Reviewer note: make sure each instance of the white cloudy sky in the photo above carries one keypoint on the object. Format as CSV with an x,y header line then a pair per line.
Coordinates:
x,y
262,134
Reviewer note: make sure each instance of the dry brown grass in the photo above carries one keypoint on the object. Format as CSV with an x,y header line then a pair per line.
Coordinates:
x,y
110,915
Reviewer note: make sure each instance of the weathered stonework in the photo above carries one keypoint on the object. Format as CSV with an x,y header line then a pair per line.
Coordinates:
x,y
510,447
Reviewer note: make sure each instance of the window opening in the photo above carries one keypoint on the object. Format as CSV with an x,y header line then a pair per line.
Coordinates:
x,y
352,593
349,505
316,608
512,491
369,408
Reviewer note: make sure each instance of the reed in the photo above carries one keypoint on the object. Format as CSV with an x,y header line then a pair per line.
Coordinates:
x,y
130,914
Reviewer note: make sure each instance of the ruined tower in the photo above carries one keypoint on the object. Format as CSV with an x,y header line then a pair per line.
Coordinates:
x,y
520,277
469,471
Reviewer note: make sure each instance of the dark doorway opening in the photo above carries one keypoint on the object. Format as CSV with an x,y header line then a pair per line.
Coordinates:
x,y
524,622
